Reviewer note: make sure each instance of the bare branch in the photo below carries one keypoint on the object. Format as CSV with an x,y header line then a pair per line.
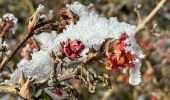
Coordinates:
x,y
142,25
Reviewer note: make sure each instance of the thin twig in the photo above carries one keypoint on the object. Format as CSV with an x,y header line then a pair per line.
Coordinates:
x,y
67,77
16,49
8,89
142,25
107,94
36,43
137,11
28,36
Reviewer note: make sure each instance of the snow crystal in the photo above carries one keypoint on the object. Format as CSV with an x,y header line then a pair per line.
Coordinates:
x,y
39,67
40,8
10,17
92,30
134,73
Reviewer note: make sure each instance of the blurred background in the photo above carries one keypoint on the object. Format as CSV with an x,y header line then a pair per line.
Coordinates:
x,y
154,40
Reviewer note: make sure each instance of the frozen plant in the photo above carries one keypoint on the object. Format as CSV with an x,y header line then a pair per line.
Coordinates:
x,y
80,38
8,23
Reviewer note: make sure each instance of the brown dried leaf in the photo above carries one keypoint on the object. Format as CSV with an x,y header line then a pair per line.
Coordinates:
x,y
27,90
33,21
21,80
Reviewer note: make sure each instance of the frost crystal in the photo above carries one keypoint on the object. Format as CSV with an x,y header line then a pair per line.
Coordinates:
x,y
40,8
9,17
92,30
39,67
135,75
6,50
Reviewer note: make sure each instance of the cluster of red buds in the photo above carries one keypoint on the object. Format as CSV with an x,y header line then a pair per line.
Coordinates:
x,y
119,57
72,48
7,23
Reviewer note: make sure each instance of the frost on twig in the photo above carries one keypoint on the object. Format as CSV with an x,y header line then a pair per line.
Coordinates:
x,y
39,22
8,23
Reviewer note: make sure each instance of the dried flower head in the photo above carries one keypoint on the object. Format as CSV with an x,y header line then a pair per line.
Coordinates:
x,y
8,23
118,56
38,17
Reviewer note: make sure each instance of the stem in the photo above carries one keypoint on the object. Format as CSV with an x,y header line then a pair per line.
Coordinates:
x,y
142,25
29,35
67,77
36,43
7,89
16,49
107,94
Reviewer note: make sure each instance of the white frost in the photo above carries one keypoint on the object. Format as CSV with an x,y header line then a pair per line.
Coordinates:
x,y
92,30
134,73
39,67
11,17
40,8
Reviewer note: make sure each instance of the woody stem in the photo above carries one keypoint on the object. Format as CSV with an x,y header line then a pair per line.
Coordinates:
x,y
15,50
143,23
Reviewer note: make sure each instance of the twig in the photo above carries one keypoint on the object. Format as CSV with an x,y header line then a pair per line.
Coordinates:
x,y
66,77
36,43
142,25
107,94
16,49
137,11
29,35
8,89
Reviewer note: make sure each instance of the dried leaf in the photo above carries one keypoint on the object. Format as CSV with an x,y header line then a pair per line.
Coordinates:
x,y
22,79
27,90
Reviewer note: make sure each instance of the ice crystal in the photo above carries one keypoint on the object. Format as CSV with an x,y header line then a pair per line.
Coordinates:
x,y
9,17
6,50
135,75
91,29
39,67
40,8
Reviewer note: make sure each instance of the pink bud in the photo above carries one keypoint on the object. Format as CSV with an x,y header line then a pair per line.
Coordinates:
x,y
71,48
68,41
62,43
59,91
78,48
74,55
113,58
67,51
123,36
